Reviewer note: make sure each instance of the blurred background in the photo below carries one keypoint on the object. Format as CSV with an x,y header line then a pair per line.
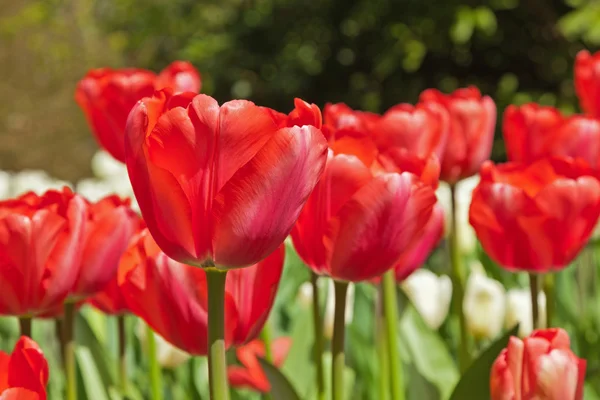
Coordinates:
x,y
370,54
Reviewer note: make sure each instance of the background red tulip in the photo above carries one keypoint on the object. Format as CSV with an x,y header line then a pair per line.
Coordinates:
x,y
472,124
172,297
41,243
250,374
106,96
537,217
219,185
540,366
587,81
529,130
24,372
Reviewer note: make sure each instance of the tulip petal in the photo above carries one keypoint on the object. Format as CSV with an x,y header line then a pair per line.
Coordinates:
x,y
257,208
19,394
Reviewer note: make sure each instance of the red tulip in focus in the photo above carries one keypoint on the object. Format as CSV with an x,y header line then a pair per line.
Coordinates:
x,y
172,297
41,240
24,373
538,217
587,82
219,185
539,367
107,96
250,374
360,219
472,124
110,225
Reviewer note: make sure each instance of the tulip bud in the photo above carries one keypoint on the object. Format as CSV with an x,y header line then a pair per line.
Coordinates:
x,y
168,355
518,310
484,305
330,308
305,294
430,294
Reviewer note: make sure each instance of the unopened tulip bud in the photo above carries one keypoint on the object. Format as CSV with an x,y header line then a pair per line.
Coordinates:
x,y
430,294
484,305
168,356
518,310
330,308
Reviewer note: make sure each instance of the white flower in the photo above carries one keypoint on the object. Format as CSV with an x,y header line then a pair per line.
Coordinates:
x,y
484,305
105,166
518,310
305,294
37,181
168,356
430,294
467,240
5,183
329,316
93,189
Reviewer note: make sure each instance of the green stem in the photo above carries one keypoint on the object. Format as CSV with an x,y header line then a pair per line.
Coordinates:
x,y
381,341
153,366
458,289
25,326
122,352
390,312
60,336
337,344
217,365
69,350
534,289
318,333
550,299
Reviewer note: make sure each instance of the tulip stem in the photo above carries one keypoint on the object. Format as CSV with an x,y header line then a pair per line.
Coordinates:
x,y
69,350
59,331
550,298
265,335
337,344
25,326
381,341
153,365
534,289
390,312
458,280
217,365
318,333
122,352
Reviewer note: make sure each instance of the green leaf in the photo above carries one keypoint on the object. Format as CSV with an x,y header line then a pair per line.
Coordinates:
x,y
589,393
93,386
475,383
428,352
281,388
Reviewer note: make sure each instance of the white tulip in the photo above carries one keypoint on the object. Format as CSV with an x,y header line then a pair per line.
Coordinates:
x,y
430,294
37,181
93,189
518,310
168,356
484,305
328,319
105,166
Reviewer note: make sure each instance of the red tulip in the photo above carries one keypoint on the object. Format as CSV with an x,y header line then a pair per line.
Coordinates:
x,y
110,225
356,223
416,255
345,120
172,297
587,81
251,375
110,300
537,217
219,185
529,130
107,96
472,123
540,367
24,373
421,129
40,243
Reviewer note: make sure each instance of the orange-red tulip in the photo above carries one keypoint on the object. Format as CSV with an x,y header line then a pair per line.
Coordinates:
x,y
110,299
106,96
472,124
250,374
41,243
539,367
172,297
535,217
219,185
587,81
24,372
